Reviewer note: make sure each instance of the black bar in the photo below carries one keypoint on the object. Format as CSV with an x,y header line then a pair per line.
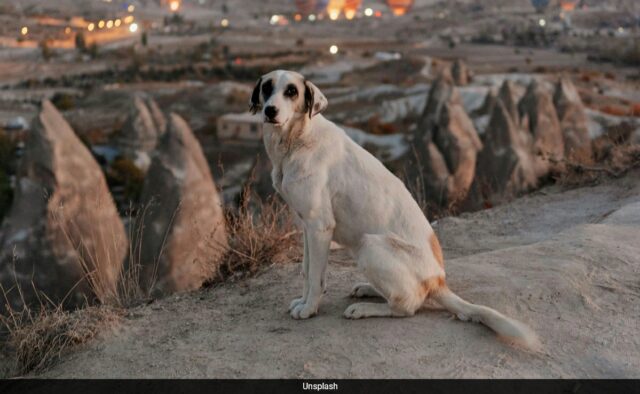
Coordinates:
x,y
136,386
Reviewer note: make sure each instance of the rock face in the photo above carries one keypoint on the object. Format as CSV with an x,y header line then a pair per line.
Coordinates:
x,y
141,131
538,115
505,164
573,120
460,73
184,228
63,232
509,97
487,105
446,144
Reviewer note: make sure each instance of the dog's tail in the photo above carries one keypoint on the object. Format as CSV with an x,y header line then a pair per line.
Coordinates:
x,y
507,329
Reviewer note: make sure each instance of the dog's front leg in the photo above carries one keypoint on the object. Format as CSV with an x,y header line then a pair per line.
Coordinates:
x,y
318,237
305,274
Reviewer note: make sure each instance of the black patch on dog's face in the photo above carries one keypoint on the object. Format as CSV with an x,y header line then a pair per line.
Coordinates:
x,y
308,99
291,91
255,98
267,90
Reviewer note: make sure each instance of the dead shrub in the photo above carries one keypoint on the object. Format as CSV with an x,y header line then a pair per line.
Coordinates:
x,y
613,156
259,234
377,127
615,110
39,337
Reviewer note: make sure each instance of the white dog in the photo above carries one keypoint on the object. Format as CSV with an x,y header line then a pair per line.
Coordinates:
x,y
342,193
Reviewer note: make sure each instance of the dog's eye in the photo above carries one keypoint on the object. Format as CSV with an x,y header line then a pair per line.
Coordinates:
x,y
291,91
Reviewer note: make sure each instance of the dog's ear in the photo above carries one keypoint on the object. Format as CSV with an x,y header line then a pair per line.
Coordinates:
x,y
315,101
254,104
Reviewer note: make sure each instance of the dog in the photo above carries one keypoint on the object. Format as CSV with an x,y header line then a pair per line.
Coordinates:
x,y
342,193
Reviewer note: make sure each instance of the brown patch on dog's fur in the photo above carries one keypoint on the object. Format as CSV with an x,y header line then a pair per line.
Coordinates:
x,y
431,285
436,249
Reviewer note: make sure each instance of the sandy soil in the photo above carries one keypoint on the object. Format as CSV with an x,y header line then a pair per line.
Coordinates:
x,y
567,263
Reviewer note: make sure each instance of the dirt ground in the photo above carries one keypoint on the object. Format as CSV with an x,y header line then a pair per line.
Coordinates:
x,y
565,262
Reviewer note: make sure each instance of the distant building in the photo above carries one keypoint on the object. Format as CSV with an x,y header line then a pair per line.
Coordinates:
x,y
244,126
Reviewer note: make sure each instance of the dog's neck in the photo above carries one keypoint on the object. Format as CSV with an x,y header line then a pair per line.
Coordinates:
x,y
281,142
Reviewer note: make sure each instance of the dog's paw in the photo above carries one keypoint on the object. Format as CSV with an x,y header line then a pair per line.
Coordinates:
x,y
303,311
295,302
462,317
354,311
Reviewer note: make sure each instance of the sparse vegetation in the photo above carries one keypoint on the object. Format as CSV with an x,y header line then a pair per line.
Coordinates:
x,y
38,337
613,156
260,234
63,101
376,126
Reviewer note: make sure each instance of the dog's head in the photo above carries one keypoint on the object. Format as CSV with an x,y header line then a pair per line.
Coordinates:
x,y
285,97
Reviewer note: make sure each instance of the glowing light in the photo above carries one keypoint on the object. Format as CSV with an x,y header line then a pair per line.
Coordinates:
x,y
224,22
131,8
109,24
128,19
312,17
101,24
91,26
24,31
334,14
333,49
274,19
350,14
298,17
378,14
67,30
133,27
368,12
174,5
542,23
117,23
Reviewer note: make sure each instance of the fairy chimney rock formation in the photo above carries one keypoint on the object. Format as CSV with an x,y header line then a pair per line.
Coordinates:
x,y
509,97
505,164
573,120
538,114
446,143
63,232
141,131
460,73
184,226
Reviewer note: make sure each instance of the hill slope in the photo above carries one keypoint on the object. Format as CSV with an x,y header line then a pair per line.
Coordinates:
x,y
567,263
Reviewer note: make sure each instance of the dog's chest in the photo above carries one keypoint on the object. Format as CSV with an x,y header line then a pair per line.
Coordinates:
x,y
276,156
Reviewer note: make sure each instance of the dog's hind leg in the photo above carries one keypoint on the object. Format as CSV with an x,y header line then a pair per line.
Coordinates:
x,y
362,290
390,273
361,310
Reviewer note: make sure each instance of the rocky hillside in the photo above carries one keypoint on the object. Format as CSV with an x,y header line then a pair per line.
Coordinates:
x,y
565,262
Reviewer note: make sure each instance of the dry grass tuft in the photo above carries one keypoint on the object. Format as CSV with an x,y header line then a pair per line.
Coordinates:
x,y
613,156
39,338
259,234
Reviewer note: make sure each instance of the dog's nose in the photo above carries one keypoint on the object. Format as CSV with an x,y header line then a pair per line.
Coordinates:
x,y
271,112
